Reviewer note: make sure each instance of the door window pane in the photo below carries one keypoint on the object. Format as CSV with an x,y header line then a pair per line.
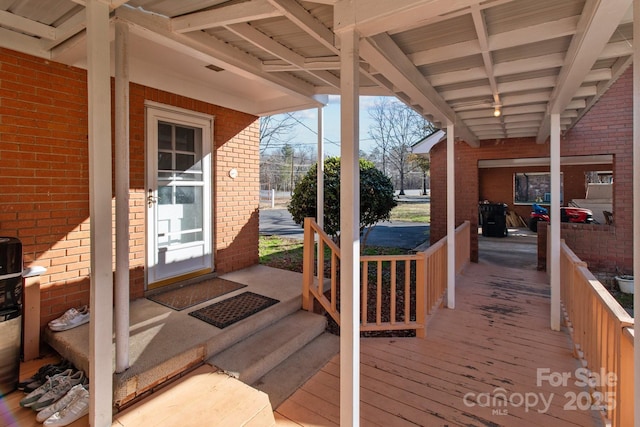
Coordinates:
x,y
164,136
185,161
185,138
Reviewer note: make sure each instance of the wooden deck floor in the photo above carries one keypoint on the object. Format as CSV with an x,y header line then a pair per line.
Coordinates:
x,y
490,346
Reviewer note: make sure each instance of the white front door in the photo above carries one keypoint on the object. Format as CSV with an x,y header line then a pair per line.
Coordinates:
x,y
179,194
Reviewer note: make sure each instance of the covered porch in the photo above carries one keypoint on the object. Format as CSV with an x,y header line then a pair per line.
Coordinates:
x,y
478,365
491,361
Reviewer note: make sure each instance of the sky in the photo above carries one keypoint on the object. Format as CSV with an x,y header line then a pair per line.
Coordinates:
x,y
306,132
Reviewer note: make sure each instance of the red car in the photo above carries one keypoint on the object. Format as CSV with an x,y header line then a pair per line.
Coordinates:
x,y
567,214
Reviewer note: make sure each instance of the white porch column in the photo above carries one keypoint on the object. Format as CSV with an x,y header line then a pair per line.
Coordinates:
x,y
320,179
554,214
122,196
349,231
636,203
451,218
101,325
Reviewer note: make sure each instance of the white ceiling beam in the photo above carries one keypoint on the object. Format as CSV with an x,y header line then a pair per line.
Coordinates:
x,y
586,91
483,39
537,63
599,20
64,32
577,104
297,14
22,43
528,84
222,16
532,34
383,16
388,58
488,120
523,118
200,45
530,98
453,77
616,49
469,92
24,25
320,63
525,109
523,125
268,44
603,74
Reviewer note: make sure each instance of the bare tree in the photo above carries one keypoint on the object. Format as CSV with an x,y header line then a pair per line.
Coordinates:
x,y
395,128
277,131
423,162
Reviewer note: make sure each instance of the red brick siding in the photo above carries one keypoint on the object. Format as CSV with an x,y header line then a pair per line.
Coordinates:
x,y
605,129
44,194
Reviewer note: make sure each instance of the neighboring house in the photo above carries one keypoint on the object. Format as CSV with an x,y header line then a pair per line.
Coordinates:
x,y
601,141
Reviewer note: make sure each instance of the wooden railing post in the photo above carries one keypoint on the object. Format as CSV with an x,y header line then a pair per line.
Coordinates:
x,y
421,290
307,265
624,399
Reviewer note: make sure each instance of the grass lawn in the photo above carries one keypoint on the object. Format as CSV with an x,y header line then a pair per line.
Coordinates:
x,y
411,212
286,254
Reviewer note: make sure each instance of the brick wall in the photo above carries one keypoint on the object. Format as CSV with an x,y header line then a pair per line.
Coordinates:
x,y
605,129
44,181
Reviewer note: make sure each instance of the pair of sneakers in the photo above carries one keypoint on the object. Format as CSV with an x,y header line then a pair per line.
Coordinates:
x,y
53,389
36,380
70,319
74,405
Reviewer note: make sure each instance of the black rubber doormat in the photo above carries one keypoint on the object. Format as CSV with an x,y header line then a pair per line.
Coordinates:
x,y
190,295
224,313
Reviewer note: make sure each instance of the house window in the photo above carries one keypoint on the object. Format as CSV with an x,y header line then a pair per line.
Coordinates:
x,y
533,187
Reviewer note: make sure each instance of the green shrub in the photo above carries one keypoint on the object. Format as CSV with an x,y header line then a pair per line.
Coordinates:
x,y
376,196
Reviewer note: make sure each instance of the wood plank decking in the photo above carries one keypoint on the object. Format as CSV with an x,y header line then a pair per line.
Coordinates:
x,y
490,346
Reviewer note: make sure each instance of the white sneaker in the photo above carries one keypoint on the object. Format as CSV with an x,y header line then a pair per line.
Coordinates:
x,y
70,319
75,410
60,404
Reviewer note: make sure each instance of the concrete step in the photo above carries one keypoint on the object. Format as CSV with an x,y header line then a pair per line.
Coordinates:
x,y
253,357
164,343
283,380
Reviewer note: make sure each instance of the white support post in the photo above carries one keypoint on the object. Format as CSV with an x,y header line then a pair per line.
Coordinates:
x,y
320,172
349,231
555,221
451,218
122,195
99,103
636,204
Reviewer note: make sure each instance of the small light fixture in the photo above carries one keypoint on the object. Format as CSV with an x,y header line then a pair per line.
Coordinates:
x,y
496,110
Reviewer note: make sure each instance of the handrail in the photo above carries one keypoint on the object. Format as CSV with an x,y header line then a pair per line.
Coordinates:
x,y
602,333
420,277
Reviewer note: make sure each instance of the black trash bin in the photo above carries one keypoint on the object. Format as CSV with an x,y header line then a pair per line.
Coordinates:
x,y
10,313
494,219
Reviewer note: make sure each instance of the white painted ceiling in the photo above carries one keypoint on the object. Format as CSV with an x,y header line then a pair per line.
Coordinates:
x,y
451,60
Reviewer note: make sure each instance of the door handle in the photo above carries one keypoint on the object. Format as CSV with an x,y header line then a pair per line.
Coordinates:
x,y
151,199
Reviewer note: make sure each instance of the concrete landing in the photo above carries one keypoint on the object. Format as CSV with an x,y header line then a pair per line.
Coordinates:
x,y
164,342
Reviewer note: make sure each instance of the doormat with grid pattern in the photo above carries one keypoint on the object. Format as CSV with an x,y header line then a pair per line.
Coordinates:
x,y
190,295
231,310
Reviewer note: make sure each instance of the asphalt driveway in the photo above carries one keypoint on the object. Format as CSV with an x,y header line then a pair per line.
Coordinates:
x,y
405,235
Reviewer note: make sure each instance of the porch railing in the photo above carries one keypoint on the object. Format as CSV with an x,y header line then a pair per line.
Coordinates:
x,y
602,333
411,285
